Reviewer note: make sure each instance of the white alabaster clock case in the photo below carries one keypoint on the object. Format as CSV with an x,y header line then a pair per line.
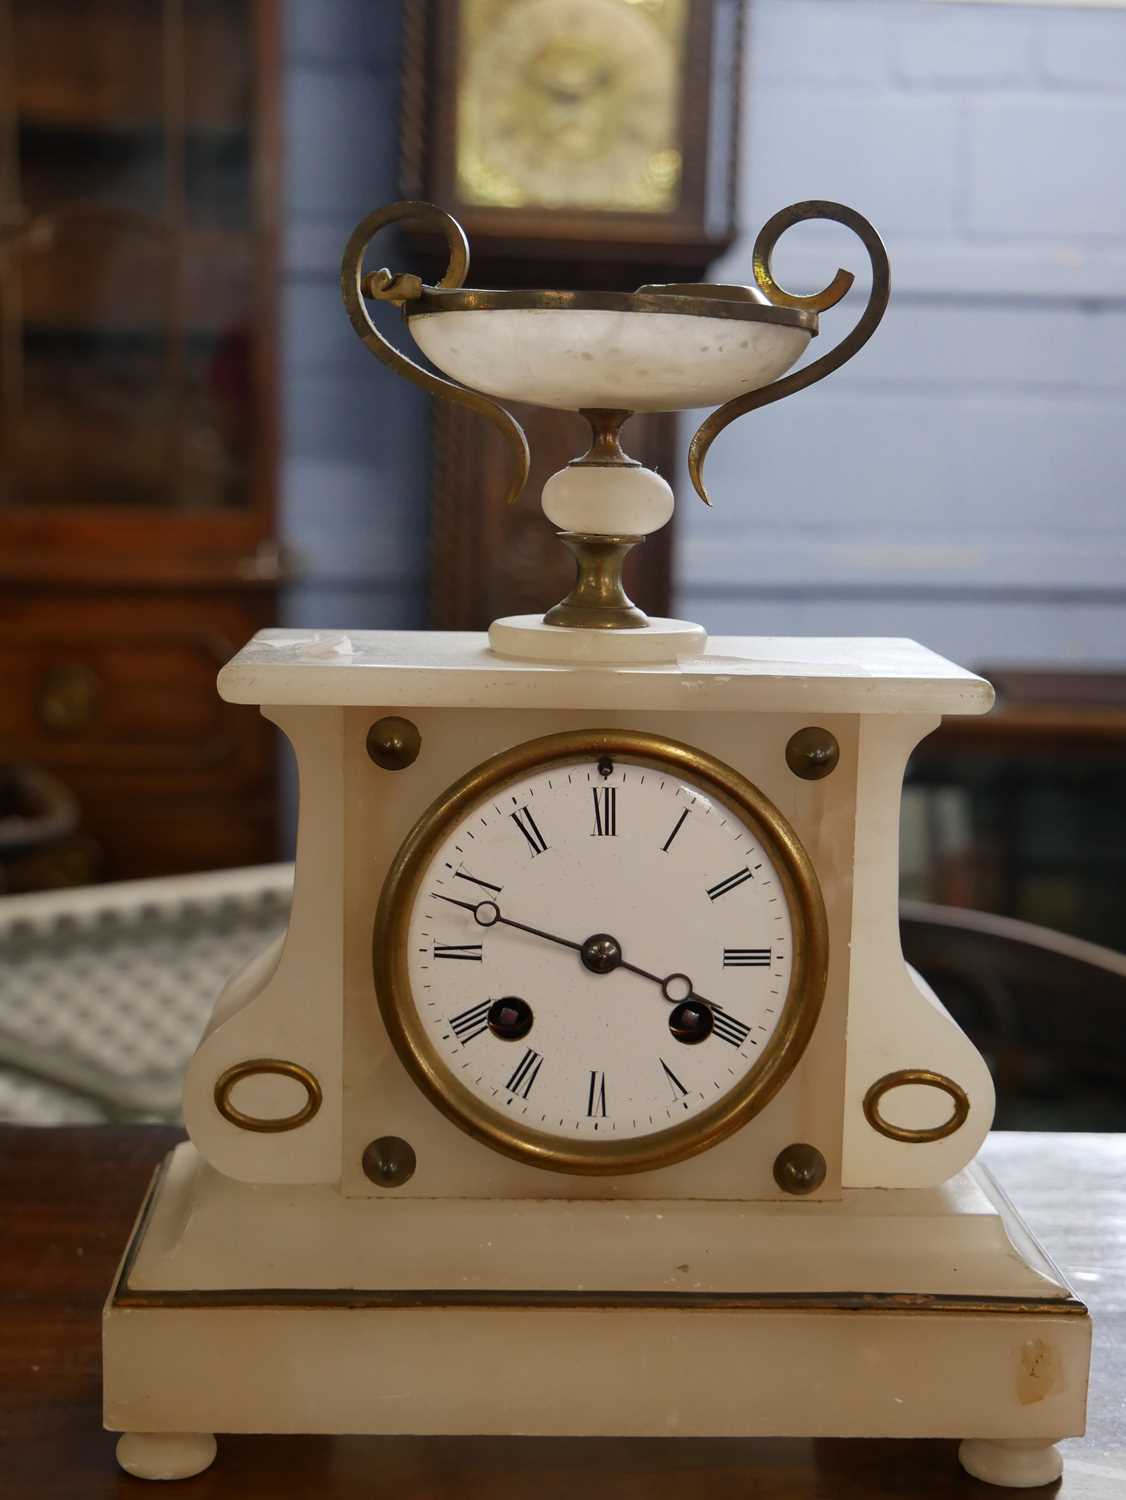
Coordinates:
x,y
590,1056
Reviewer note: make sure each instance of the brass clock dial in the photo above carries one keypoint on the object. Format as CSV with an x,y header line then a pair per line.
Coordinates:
x,y
571,104
601,951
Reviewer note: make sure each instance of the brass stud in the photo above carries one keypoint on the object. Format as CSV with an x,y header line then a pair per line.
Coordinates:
x,y
389,1161
799,1169
394,743
812,753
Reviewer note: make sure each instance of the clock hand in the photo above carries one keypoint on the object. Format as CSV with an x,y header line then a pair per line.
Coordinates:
x,y
469,905
488,914
535,931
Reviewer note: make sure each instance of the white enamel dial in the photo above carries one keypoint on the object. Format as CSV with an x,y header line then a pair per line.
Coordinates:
x,y
600,949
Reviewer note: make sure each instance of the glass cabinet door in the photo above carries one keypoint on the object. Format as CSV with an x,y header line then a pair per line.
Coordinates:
x,y
127,253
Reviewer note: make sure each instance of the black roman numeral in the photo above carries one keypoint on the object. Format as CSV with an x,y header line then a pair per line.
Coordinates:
x,y
673,834
746,958
728,1029
486,885
678,1089
471,1022
716,891
527,826
524,1074
471,951
605,810
596,1098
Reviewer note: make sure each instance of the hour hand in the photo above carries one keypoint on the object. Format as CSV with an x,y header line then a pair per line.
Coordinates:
x,y
468,905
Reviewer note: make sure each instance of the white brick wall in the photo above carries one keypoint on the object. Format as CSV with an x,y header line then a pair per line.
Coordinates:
x,y
962,480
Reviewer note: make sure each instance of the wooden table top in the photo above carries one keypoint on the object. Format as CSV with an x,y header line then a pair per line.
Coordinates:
x,y
69,1198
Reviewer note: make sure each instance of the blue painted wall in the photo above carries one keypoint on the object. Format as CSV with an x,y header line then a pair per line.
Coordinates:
x,y
962,480
355,470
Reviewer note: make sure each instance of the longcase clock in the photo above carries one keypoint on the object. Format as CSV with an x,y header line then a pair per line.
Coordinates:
x,y
582,144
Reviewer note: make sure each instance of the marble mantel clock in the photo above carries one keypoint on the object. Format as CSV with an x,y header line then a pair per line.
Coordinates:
x,y
588,1092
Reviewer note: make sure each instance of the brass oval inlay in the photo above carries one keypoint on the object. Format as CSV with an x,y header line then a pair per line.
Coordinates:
x,y
928,1079
251,1069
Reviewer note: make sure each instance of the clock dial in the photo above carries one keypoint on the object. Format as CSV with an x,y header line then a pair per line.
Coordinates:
x,y
602,959
571,103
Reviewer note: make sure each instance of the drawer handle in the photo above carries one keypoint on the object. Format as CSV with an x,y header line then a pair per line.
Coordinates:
x,y
69,696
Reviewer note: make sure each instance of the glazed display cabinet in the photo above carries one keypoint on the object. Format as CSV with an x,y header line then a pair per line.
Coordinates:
x,y
138,154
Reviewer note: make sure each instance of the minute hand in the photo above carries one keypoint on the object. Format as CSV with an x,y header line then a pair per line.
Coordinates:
x,y
538,932
578,947
488,914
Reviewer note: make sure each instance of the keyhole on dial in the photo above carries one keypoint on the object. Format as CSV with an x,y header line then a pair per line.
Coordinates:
x,y
691,1022
510,1018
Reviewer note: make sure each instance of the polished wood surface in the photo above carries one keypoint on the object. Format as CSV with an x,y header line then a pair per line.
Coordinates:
x,y
114,692
69,1200
1041,710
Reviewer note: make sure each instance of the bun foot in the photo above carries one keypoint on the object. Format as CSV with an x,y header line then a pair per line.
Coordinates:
x,y
1018,1463
165,1455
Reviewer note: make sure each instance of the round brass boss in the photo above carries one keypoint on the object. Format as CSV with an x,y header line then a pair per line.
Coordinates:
x,y
799,1169
267,1124
393,743
925,1077
389,1161
428,1067
812,753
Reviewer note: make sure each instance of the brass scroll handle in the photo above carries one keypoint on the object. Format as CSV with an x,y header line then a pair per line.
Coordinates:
x,y
769,235
383,285
924,1076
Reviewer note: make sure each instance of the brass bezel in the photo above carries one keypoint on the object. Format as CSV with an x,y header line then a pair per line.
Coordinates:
x,y
428,1068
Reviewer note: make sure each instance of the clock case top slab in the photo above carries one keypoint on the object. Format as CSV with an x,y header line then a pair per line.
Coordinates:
x,y
456,669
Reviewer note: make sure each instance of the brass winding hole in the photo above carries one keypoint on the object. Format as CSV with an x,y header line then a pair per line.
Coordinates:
x,y
251,1069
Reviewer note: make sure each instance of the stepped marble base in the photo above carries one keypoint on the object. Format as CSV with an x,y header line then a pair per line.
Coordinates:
x,y
900,1313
